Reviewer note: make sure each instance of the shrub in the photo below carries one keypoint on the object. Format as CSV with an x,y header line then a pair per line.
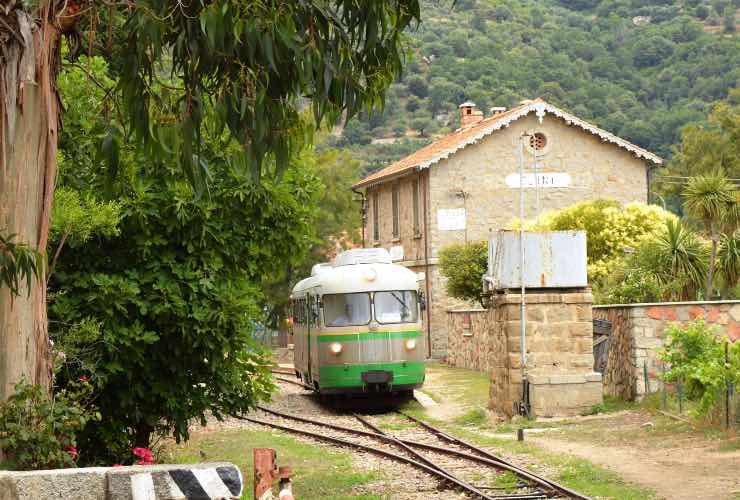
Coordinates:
x,y
633,288
697,360
38,432
464,265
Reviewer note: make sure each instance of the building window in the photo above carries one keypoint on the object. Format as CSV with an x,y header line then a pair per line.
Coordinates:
x,y
396,221
376,218
415,195
538,141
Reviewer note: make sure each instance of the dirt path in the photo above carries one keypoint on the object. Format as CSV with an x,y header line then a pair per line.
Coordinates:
x,y
685,467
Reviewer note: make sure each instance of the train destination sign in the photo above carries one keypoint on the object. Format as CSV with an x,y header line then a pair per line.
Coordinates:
x,y
543,180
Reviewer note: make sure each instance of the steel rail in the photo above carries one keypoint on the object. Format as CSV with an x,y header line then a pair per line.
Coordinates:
x,y
377,451
282,371
497,463
542,481
294,382
419,456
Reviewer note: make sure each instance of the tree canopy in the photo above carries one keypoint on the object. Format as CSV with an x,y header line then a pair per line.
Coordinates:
x,y
642,70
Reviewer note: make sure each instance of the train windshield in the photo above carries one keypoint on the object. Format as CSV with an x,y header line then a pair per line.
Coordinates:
x,y
396,307
347,309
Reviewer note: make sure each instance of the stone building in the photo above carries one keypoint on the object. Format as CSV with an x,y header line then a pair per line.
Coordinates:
x,y
465,184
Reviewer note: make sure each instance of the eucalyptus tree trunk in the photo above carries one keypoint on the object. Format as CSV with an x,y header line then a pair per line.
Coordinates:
x,y
29,117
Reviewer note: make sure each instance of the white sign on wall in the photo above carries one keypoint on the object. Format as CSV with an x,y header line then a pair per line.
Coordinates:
x,y
544,180
396,253
451,219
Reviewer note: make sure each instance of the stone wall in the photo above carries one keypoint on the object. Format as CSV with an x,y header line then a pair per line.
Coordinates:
x,y
220,480
559,348
559,354
469,341
638,333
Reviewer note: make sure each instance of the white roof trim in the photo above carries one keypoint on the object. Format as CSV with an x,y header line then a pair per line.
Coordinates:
x,y
541,108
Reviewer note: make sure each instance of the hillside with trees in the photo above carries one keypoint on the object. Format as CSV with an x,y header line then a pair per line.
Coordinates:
x,y
642,70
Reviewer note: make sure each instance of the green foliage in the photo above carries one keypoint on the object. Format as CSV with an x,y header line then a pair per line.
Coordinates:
x,y
80,217
635,287
728,262
707,147
713,200
464,264
336,224
253,63
671,265
696,355
611,229
18,262
175,295
37,432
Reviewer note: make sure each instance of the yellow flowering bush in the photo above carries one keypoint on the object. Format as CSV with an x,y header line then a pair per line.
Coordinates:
x,y
613,230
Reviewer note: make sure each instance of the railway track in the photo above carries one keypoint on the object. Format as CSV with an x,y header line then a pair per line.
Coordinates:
x,y
402,449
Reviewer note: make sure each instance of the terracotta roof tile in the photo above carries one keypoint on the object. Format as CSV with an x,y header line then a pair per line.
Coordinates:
x,y
449,144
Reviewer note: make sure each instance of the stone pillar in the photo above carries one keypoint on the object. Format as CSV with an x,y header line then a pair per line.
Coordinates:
x,y
559,347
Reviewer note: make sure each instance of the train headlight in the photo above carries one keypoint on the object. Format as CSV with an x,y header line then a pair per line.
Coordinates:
x,y
371,275
335,348
410,344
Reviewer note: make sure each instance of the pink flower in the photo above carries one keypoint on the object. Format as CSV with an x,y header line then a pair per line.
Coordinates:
x,y
144,455
82,378
72,450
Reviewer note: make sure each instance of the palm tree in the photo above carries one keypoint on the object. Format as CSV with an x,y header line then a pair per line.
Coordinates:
x,y
677,259
728,261
711,199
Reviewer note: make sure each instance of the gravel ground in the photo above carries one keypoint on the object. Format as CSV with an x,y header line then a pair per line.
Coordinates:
x,y
398,480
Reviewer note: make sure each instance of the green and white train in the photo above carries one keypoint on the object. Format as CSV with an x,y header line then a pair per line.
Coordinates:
x,y
357,326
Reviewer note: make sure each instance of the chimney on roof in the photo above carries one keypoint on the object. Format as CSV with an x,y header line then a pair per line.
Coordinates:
x,y
469,114
497,110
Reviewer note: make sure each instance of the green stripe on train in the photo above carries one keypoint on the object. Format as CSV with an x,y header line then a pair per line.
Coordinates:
x,y
344,337
404,372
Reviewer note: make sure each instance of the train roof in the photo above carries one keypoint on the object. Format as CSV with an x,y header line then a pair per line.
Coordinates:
x,y
367,269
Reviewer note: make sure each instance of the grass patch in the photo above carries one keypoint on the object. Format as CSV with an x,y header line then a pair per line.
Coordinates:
x,y
318,472
464,386
475,417
508,481
612,404
583,476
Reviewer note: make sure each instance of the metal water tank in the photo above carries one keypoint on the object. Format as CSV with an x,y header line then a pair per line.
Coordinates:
x,y
553,259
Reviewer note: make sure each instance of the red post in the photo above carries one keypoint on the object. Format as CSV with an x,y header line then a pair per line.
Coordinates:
x,y
265,468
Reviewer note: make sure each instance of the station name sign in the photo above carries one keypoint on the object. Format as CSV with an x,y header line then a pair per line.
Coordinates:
x,y
543,180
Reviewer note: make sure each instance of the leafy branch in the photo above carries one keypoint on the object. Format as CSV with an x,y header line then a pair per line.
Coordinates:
x,y
18,262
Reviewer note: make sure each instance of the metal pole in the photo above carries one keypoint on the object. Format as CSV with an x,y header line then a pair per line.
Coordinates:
x,y
522,261
665,395
536,185
727,389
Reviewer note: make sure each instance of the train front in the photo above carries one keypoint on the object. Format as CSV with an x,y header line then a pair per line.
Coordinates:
x,y
372,340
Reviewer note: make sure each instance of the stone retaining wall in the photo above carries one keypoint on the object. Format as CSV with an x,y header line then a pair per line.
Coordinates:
x,y
559,348
638,332
220,480
469,344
